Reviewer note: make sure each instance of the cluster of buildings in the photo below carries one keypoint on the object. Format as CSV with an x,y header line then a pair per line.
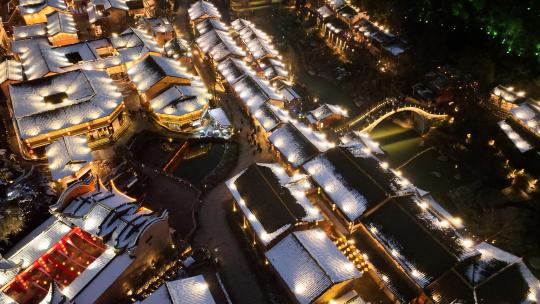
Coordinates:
x,y
67,97
328,212
347,28
193,290
243,57
373,223
521,127
88,251
69,69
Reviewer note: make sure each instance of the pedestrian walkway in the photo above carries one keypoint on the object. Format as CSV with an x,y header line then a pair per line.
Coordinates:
x,y
214,230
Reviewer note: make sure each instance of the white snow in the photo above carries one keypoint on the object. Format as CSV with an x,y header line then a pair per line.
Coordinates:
x,y
89,95
351,202
67,155
309,263
296,186
193,290
180,100
521,144
203,9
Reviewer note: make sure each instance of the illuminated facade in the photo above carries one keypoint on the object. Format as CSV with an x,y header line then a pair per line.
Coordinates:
x,y
269,203
72,103
36,11
69,159
161,29
95,240
176,99
61,29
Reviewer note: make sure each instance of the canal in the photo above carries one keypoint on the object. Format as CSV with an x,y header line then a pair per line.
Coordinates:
x,y
420,163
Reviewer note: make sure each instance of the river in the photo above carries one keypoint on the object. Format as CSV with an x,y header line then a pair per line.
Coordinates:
x,y
429,171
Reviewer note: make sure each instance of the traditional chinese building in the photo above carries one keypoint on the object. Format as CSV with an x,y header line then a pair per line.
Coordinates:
x,y
176,99
79,102
193,290
325,115
10,72
93,243
69,159
36,11
270,203
161,29
311,268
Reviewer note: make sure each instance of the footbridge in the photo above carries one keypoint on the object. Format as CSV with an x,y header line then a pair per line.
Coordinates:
x,y
366,121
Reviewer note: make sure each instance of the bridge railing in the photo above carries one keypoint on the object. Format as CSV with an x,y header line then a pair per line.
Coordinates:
x,y
388,107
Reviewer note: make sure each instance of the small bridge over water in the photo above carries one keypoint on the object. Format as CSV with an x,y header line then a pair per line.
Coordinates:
x,y
366,121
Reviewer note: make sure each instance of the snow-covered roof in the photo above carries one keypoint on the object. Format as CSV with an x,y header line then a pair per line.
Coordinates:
x,y
425,245
107,212
32,54
289,94
219,45
60,22
29,31
519,142
354,180
240,23
219,117
203,9
270,116
43,58
260,48
67,155
21,46
258,43
253,91
193,290
107,269
271,200
273,68
325,110
325,11
103,212
10,70
335,3
94,14
490,255
34,6
247,30
508,93
177,47
134,37
396,47
309,263
42,238
103,262
234,69
179,100
61,101
528,114
496,277
211,24
157,25
298,143
152,69
361,142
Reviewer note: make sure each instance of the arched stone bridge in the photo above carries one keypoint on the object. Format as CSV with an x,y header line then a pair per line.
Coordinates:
x,y
366,121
